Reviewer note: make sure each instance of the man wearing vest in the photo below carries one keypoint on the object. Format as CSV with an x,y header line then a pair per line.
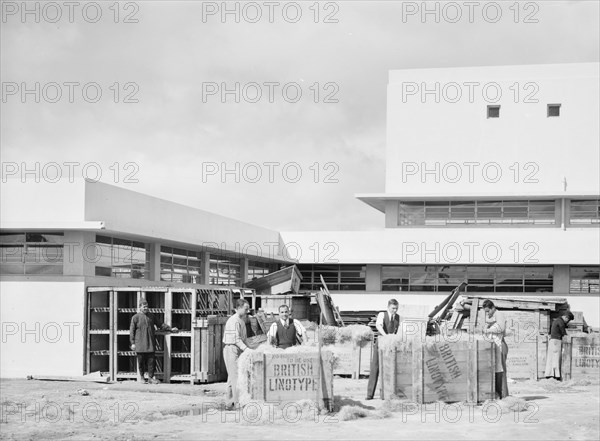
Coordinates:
x,y
286,331
388,322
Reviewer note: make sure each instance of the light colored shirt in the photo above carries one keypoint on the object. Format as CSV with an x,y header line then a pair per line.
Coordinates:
x,y
497,327
379,322
300,331
235,332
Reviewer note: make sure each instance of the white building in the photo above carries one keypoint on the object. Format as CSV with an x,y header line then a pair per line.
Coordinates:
x,y
492,177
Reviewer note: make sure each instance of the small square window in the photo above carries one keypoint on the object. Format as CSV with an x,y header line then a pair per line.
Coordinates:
x,y
493,111
553,110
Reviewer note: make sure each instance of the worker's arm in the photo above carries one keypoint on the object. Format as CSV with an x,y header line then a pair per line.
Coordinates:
x,y
379,324
300,331
240,335
132,328
498,323
272,333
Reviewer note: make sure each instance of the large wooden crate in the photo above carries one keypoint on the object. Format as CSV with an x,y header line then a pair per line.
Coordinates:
x,y
428,371
353,359
580,356
293,376
208,365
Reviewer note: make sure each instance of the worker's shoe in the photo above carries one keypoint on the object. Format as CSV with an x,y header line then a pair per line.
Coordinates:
x,y
368,398
153,381
141,379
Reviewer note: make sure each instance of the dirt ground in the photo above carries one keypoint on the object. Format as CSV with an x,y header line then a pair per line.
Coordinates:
x,y
128,411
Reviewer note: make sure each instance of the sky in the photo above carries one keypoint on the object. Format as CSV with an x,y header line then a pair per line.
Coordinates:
x,y
265,115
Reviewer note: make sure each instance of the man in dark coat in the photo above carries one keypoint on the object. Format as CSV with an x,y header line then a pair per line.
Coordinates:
x,y
388,322
557,331
142,338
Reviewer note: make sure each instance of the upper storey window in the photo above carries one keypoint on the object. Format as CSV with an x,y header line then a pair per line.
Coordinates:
x,y
442,213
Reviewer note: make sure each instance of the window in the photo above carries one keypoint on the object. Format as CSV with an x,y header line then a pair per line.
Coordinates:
x,y
553,110
31,253
442,213
493,111
337,277
224,270
179,265
585,212
443,278
122,258
258,269
584,280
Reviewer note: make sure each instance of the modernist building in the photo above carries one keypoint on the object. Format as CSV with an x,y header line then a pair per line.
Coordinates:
x,y
492,176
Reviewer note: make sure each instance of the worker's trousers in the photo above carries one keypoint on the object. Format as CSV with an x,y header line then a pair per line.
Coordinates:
x,y
146,364
502,377
373,372
231,353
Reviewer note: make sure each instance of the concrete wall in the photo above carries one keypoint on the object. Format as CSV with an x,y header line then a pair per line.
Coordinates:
x,y
419,246
423,131
42,328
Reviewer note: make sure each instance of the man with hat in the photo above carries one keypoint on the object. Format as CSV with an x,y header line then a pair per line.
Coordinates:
x,y
142,338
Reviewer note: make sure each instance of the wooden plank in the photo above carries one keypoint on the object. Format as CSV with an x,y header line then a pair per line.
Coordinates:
x,y
566,357
472,371
418,386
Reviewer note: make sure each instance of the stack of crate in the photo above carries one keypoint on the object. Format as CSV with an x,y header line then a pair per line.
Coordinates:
x,y
109,313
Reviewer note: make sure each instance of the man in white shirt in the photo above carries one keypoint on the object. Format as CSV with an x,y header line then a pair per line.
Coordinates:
x,y
388,322
496,328
234,343
286,331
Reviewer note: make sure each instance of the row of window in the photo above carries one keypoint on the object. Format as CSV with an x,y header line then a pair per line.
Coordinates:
x,y
443,278
42,253
442,213
552,110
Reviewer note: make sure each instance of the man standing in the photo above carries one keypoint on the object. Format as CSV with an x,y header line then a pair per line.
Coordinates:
x,y
142,340
496,327
286,331
554,356
388,322
234,343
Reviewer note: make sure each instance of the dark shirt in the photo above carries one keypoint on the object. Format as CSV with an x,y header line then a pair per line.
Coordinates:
x,y
558,331
141,331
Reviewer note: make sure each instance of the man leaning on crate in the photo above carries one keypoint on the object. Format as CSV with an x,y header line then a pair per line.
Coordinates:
x,y
142,339
388,322
286,332
557,332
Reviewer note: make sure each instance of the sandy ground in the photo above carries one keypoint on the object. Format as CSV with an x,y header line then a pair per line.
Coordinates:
x,y
128,411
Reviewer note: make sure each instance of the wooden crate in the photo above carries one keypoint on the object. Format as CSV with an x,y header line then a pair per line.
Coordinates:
x,y
208,365
439,371
580,356
299,305
285,377
353,359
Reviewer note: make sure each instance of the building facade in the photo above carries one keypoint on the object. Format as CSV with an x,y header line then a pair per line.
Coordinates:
x,y
492,177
